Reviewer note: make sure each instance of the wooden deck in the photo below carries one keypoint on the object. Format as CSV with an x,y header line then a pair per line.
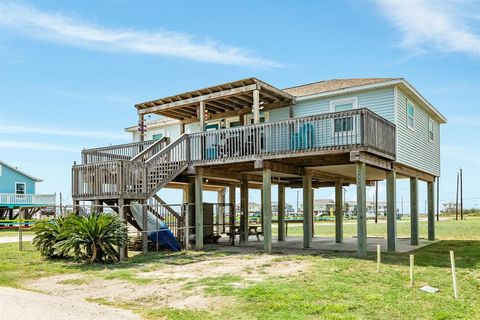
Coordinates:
x,y
138,170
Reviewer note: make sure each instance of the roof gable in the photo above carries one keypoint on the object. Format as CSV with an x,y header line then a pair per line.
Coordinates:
x,y
19,171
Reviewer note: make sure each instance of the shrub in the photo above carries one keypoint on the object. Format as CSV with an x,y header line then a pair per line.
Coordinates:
x,y
47,234
94,238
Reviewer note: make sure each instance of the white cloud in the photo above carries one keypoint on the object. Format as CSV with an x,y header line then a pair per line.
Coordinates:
x,y
428,24
60,28
38,146
12,129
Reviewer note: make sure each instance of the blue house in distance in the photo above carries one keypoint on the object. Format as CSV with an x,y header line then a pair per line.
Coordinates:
x,y
17,189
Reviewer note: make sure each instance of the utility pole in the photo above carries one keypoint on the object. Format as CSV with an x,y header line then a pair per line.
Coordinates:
x,y
376,201
402,206
456,201
461,194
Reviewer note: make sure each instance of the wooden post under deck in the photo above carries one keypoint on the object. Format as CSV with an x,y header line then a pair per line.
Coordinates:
x,y
232,202
141,123
198,212
338,211
281,212
431,210
267,210
307,210
361,210
123,250
391,211
145,228
221,210
202,116
244,212
414,211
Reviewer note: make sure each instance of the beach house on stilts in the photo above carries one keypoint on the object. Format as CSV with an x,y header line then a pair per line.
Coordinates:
x,y
249,134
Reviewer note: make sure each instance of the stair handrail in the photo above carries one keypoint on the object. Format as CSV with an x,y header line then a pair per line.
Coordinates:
x,y
147,150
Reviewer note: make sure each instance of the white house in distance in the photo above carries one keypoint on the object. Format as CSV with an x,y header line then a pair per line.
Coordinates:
x,y
249,134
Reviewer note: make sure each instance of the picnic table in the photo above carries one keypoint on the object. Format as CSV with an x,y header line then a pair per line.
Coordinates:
x,y
252,230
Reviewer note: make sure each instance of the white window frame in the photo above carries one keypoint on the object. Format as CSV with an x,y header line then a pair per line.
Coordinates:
x,y
24,188
162,132
1,169
249,117
333,104
228,121
412,127
430,121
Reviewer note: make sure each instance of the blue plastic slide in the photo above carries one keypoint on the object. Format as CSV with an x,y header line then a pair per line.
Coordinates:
x,y
157,230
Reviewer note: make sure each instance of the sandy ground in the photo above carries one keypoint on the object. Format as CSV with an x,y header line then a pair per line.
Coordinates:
x,y
27,305
174,286
10,239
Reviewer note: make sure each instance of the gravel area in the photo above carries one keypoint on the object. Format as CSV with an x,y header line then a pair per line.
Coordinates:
x,y
29,305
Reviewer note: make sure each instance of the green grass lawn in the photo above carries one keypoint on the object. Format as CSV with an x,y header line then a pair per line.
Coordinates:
x,y
14,233
445,229
333,286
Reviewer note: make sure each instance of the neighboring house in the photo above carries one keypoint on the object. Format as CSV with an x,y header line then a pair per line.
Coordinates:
x,y
328,133
253,207
449,207
288,207
323,206
17,188
382,208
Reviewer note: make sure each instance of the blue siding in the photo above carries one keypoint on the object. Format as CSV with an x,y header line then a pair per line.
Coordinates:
x,y
10,176
380,101
278,114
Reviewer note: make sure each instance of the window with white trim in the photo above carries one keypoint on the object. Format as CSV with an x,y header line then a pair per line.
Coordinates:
x,y
20,188
344,124
430,129
410,115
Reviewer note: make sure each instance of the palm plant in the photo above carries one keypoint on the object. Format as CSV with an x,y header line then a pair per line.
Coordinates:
x,y
47,234
94,238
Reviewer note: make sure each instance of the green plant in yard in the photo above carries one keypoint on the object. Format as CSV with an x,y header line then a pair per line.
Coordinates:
x,y
93,238
47,234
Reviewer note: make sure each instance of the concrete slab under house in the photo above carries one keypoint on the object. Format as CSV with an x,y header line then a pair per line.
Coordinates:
x,y
249,134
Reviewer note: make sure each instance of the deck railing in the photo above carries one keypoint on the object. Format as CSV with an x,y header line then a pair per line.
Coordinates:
x,y
358,129
27,199
117,152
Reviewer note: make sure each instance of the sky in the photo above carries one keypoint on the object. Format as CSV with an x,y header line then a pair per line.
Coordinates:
x,y
71,71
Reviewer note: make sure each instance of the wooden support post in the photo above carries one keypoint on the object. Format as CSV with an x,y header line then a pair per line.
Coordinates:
x,y
141,125
312,216
145,229
391,211
376,201
307,210
122,250
191,207
221,210
281,212
231,210
438,199
256,106
202,116
76,207
361,210
244,212
414,211
97,206
198,212
338,211
267,210
431,210
454,275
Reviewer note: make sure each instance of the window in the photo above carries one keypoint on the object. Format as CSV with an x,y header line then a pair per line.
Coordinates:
x,y
344,124
157,136
263,117
410,115
430,129
20,188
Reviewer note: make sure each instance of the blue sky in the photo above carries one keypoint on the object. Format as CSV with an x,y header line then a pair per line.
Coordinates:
x,y
70,71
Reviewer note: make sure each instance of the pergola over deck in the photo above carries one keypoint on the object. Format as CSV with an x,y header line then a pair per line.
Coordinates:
x,y
228,99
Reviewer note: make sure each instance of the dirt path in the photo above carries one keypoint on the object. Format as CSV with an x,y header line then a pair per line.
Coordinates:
x,y
28,305
9,239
